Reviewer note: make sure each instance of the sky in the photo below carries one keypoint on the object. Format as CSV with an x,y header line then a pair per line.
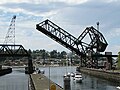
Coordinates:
x,y
71,15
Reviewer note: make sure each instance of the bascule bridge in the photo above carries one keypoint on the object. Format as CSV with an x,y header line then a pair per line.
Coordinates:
x,y
86,50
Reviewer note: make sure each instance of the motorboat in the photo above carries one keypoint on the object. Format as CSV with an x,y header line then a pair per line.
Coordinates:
x,y
118,87
72,74
68,74
78,77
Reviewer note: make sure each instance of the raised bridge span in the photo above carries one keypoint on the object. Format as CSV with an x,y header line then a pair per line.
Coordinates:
x,y
96,43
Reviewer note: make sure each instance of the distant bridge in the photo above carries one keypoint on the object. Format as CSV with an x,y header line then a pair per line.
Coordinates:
x,y
8,50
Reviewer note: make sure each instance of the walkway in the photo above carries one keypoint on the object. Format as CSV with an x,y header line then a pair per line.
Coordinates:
x,y
41,82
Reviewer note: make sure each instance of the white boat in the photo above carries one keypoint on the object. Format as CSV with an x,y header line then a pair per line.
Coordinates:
x,y
72,74
118,87
68,74
78,77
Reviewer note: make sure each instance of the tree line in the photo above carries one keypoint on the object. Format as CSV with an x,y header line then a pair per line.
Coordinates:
x,y
46,54
118,60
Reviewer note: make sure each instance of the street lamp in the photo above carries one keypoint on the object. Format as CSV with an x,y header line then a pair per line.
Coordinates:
x,y
49,74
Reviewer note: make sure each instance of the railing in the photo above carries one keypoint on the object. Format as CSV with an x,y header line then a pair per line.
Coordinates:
x,y
13,50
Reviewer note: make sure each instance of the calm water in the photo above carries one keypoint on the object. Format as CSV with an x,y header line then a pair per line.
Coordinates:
x,y
89,82
17,80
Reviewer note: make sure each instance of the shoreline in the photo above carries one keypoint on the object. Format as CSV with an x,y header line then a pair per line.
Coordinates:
x,y
103,74
5,71
37,66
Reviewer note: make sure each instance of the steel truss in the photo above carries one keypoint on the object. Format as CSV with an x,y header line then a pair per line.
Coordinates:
x,y
77,45
17,51
10,36
13,50
59,35
88,50
97,40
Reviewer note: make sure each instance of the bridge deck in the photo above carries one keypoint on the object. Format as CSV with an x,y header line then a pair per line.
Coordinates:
x,y
41,82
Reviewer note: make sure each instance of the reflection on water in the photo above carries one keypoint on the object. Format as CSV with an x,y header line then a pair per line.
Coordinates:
x,y
89,82
17,80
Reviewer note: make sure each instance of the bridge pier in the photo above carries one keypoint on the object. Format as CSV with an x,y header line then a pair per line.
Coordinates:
x,y
30,65
29,69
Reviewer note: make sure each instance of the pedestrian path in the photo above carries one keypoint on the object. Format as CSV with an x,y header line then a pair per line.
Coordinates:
x,y
41,82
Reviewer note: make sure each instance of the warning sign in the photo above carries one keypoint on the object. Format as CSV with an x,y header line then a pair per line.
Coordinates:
x,y
53,87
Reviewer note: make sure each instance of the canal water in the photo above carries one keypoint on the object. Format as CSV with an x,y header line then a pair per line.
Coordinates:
x,y
89,82
17,80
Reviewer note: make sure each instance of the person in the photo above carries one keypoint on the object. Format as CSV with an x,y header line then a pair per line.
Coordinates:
x,y
39,71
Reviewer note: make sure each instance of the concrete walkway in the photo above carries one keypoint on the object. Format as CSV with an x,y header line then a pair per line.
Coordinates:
x,y
41,82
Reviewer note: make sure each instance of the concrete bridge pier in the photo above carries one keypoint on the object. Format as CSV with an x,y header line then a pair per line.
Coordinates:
x,y
29,69
30,65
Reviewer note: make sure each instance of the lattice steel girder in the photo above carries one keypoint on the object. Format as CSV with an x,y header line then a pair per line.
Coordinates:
x,y
77,45
13,50
97,40
59,35
10,36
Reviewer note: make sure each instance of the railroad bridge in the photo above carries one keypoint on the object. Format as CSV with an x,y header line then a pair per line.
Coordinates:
x,y
86,50
9,50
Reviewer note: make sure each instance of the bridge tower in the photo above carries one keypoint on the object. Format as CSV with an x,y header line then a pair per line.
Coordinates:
x,y
10,49
10,36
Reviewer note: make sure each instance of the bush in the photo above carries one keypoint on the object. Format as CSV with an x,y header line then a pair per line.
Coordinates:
x,y
118,64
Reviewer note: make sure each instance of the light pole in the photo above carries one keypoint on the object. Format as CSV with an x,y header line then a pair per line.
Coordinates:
x,y
49,74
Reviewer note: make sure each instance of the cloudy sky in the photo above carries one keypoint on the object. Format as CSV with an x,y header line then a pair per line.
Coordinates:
x,y
72,15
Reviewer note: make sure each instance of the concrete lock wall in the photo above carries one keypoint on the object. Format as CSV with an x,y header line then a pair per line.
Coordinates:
x,y
110,76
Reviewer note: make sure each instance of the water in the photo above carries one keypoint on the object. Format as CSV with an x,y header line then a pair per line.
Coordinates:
x,y
17,80
89,82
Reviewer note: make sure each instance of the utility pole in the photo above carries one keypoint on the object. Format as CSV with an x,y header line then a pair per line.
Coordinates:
x,y
97,52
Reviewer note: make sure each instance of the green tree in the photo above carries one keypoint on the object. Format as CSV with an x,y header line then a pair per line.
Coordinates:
x,y
63,54
118,64
44,54
35,54
53,54
58,55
